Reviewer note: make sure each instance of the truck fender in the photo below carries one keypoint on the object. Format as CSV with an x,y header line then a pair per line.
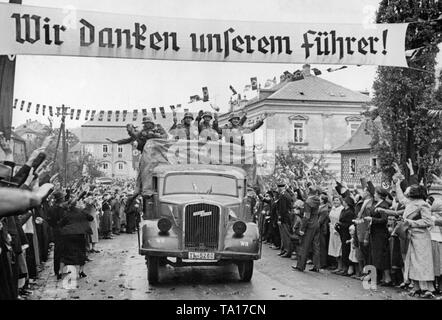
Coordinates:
x,y
248,243
152,239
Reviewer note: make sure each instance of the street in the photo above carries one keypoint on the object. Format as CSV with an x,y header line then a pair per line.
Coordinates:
x,y
119,273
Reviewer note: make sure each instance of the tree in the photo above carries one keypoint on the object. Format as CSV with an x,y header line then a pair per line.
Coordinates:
x,y
292,165
404,95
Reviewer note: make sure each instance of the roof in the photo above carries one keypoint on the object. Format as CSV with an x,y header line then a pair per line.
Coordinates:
x,y
164,169
359,141
313,88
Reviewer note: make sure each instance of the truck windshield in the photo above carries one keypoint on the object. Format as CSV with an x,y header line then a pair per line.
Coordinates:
x,y
200,184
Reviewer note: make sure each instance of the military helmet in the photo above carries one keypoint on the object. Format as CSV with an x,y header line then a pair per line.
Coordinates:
x,y
148,120
207,114
188,115
234,115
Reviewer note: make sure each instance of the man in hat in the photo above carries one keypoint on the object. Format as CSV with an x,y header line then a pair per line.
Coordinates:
x,y
310,231
283,206
186,130
207,130
235,130
150,131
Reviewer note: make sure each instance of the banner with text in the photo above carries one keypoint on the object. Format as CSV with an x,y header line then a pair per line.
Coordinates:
x,y
31,30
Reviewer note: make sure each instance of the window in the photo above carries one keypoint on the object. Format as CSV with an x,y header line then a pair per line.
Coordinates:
x,y
120,149
352,164
194,183
299,132
374,162
352,127
120,166
105,166
105,148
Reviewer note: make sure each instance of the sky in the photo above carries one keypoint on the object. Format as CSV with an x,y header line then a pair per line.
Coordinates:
x,y
118,84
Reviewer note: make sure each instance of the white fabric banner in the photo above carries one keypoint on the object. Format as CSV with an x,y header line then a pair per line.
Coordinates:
x,y
31,30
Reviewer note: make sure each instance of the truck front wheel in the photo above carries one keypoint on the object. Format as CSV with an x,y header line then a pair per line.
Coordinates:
x,y
152,269
245,269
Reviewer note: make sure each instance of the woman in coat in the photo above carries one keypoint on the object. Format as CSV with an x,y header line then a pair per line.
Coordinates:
x,y
418,262
345,220
106,219
334,244
91,210
324,220
379,235
74,228
436,241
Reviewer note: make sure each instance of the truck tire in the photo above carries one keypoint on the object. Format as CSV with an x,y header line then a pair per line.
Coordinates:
x,y
153,269
245,269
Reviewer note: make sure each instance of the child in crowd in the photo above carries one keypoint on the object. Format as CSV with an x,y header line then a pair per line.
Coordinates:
x,y
296,235
353,269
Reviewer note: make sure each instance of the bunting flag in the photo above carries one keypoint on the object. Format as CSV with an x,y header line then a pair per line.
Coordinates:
x,y
186,110
316,71
50,111
194,98
15,103
37,107
87,115
336,69
44,110
101,115
178,106
117,115
124,115
29,107
72,113
247,87
135,115
163,113
22,104
232,89
154,112
109,115
78,114
254,83
144,111
93,114
205,94
58,111
172,108
412,53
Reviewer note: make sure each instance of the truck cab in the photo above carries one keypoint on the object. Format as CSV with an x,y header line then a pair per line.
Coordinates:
x,y
197,215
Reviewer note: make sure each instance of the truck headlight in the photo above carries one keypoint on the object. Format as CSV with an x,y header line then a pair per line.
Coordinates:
x,y
164,225
239,227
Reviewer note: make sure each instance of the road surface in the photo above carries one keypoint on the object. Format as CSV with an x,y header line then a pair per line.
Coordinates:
x,y
119,273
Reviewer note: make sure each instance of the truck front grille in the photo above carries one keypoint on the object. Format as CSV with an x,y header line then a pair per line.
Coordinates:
x,y
201,227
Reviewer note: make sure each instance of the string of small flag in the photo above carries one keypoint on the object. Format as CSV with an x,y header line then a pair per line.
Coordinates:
x,y
91,114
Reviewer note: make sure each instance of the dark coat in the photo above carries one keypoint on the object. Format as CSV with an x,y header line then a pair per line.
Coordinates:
x,y
380,252
283,206
75,222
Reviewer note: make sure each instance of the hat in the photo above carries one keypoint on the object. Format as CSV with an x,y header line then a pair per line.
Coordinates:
x,y
383,193
349,200
207,114
147,120
188,115
233,115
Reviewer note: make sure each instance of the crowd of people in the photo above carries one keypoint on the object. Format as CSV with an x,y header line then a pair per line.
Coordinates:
x,y
38,215
392,237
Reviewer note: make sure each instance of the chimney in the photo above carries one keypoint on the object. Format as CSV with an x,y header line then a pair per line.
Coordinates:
x,y
306,70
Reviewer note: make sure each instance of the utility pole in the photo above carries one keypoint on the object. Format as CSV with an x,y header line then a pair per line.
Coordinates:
x,y
62,135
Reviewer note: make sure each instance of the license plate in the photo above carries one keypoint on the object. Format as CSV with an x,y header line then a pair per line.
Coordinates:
x,y
202,255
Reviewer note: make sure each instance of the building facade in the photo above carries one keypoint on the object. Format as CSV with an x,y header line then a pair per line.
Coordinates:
x,y
358,161
313,114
